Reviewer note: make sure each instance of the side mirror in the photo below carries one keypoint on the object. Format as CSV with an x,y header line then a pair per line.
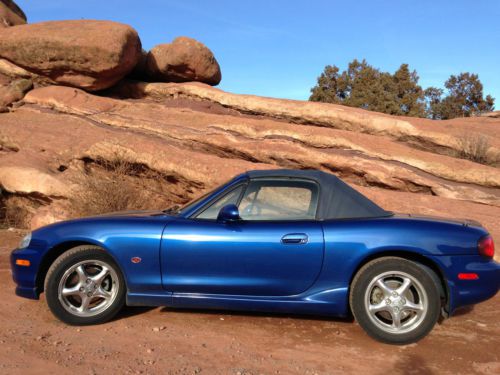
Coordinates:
x,y
229,213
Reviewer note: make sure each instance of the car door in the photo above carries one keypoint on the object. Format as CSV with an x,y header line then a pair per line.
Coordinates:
x,y
275,250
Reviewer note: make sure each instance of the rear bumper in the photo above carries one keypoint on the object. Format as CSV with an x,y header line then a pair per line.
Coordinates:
x,y
25,277
467,292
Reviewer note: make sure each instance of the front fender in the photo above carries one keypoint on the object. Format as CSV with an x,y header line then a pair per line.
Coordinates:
x,y
122,238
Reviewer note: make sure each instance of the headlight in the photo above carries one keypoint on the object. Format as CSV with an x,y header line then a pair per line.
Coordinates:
x,y
25,242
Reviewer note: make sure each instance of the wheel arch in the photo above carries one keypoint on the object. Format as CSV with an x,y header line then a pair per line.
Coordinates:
x,y
57,250
415,257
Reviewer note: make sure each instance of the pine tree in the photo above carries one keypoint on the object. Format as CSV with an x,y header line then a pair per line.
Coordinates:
x,y
410,95
465,96
364,86
433,102
327,88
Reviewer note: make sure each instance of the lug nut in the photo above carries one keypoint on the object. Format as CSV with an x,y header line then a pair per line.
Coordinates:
x,y
387,301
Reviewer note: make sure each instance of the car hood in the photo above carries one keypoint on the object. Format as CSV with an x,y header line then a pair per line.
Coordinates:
x,y
136,213
113,216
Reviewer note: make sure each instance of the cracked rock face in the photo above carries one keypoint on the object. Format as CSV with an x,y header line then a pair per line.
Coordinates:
x,y
196,137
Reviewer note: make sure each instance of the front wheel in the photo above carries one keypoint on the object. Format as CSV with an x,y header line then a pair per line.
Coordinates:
x,y
395,300
84,286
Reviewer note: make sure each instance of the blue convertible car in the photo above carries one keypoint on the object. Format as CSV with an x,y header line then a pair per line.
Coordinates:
x,y
278,241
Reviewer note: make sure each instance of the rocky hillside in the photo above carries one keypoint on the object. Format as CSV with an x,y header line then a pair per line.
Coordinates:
x,y
80,113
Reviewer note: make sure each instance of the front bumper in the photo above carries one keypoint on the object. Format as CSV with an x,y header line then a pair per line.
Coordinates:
x,y
468,292
25,277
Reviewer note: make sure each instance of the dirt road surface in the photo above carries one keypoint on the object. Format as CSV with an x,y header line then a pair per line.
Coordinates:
x,y
165,341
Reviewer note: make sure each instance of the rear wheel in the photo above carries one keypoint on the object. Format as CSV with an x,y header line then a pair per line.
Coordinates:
x,y
395,300
84,286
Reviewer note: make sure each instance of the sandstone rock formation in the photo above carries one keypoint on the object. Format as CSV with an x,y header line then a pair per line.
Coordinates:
x,y
438,137
11,14
46,215
185,59
28,180
92,55
494,114
161,121
139,71
11,92
7,69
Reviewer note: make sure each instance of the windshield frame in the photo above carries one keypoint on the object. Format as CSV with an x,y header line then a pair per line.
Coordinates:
x,y
192,207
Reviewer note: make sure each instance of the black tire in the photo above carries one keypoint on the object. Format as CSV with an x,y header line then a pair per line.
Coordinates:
x,y
63,307
424,292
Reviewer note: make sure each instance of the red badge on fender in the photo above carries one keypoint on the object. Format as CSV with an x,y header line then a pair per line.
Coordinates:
x,y
136,260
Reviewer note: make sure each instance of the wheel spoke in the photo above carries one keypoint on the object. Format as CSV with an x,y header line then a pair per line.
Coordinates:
x,y
104,294
85,303
404,286
82,275
418,307
382,306
101,275
385,289
396,319
75,290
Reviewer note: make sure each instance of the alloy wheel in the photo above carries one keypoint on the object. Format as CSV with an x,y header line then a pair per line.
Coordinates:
x,y
396,302
88,288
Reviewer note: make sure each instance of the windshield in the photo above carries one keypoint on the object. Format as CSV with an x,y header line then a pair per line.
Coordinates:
x,y
190,204
177,209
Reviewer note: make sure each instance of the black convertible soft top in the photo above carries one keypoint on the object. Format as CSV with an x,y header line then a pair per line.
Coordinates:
x,y
337,200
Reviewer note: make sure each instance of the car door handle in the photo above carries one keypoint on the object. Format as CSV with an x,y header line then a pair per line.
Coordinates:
x,y
295,238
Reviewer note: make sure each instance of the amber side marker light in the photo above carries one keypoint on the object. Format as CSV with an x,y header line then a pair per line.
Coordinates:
x,y
23,262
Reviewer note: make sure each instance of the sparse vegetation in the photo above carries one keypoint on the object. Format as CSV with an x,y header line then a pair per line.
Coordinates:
x,y
364,86
107,186
117,185
464,99
474,147
14,212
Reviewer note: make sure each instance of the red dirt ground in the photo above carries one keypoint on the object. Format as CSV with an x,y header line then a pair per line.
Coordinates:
x,y
165,341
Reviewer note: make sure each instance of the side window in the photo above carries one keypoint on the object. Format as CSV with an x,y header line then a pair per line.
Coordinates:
x,y
279,200
212,211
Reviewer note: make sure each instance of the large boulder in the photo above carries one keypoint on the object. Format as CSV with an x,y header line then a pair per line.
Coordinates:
x,y
92,55
11,14
183,60
29,180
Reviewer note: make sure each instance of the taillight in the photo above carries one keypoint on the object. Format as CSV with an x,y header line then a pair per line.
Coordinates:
x,y
486,247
